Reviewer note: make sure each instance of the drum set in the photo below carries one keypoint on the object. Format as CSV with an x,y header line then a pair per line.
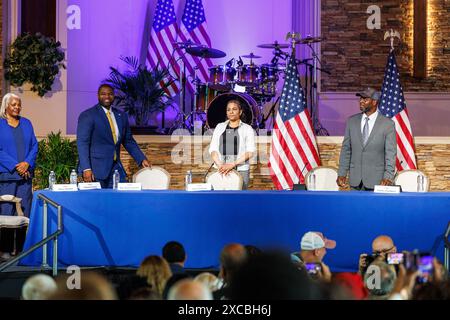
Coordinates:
x,y
254,85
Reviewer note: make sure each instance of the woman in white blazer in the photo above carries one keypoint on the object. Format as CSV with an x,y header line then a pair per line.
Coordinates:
x,y
233,143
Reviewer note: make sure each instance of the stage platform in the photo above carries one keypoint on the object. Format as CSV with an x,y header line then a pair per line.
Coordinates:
x,y
119,229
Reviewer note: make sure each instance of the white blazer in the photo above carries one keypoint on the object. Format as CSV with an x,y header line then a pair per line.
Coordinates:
x,y
246,142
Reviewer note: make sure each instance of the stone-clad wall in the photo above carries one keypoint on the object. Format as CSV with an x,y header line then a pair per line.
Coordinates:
x,y
356,56
433,156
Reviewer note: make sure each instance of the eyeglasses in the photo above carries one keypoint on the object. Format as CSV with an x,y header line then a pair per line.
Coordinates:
x,y
384,251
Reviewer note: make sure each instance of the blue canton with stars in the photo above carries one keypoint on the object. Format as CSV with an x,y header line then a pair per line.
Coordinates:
x,y
392,100
292,98
193,15
164,15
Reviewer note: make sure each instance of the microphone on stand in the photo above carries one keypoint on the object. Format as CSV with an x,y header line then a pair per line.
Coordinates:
x,y
240,62
300,186
230,63
207,171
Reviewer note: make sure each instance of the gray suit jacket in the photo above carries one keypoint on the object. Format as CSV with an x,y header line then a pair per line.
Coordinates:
x,y
374,161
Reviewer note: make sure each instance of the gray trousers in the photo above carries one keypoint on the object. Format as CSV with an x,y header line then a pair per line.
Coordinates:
x,y
246,178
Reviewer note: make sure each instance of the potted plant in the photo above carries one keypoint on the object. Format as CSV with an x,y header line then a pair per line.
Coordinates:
x,y
140,92
34,59
57,154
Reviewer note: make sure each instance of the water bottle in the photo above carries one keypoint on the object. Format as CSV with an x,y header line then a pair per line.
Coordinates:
x,y
51,180
188,179
312,181
420,183
116,179
73,177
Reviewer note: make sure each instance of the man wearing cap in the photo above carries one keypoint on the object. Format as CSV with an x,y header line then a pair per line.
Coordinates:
x,y
369,148
314,247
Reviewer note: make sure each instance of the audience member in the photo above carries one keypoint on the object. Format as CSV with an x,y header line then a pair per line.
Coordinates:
x,y
212,282
189,289
272,276
175,255
252,250
353,283
381,246
156,271
38,287
172,281
380,280
93,286
231,258
314,247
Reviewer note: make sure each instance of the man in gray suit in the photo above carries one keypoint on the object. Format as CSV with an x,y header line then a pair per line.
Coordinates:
x,y
369,148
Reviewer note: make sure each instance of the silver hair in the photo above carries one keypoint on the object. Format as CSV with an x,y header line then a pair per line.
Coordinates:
x,y
5,103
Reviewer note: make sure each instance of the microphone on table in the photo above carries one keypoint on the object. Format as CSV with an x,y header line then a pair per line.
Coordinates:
x,y
207,171
300,186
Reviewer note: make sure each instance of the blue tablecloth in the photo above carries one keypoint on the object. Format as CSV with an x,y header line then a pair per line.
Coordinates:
x,y
113,228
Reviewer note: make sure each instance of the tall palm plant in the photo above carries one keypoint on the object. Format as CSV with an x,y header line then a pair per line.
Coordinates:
x,y
140,91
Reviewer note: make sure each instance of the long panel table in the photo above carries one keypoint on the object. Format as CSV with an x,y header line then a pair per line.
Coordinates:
x,y
120,228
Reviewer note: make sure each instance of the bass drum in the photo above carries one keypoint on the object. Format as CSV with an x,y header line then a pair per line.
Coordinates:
x,y
217,110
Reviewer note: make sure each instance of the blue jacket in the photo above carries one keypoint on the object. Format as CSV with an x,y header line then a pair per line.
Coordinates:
x,y
95,142
8,150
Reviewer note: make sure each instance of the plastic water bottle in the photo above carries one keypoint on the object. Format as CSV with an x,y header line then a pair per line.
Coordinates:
x,y
73,177
51,180
188,179
420,183
312,181
116,179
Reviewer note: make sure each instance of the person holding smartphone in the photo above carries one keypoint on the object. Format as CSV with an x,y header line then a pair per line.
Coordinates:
x,y
314,247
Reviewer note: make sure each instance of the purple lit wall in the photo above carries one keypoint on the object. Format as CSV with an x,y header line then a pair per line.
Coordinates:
x,y
114,28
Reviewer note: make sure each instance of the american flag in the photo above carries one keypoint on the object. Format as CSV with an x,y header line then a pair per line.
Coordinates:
x,y
393,105
294,149
193,28
161,51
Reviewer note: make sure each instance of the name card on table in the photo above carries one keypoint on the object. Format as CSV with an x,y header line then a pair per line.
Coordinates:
x,y
129,187
89,185
199,187
387,189
65,187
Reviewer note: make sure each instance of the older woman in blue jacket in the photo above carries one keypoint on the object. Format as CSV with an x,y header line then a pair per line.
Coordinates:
x,y
18,152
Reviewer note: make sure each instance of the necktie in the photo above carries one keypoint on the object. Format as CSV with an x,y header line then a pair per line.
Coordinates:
x,y
113,131
365,133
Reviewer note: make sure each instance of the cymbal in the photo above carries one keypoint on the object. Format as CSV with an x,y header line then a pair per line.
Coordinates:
x,y
251,56
274,45
309,40
205,52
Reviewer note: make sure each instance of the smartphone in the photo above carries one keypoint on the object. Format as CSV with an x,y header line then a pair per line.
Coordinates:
x,y
395,258
313,268
425,267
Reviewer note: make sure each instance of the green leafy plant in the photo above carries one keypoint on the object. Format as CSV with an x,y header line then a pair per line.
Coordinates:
x,y
58,154
139,90
36,59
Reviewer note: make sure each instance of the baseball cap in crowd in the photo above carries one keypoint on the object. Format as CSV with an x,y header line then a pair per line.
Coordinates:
x,y
369,93
316,240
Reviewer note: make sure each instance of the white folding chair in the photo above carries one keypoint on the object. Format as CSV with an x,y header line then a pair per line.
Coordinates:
x,y
13,222
154,178
325,179
407,179
232,181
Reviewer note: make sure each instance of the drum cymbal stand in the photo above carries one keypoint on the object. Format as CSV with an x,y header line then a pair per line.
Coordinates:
x,y
181,117
197,115
318,128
